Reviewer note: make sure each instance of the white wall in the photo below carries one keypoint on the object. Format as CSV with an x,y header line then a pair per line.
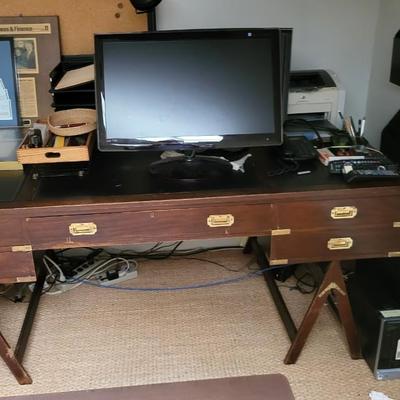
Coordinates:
x,y
334,34
384,97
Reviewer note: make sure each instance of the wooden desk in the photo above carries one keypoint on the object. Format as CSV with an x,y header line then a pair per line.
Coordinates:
x,y
306,218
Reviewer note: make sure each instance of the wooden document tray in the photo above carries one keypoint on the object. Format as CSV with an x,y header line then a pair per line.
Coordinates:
x,y
45,155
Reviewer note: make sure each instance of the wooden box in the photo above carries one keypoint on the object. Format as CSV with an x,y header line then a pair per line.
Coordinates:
x,y
45,155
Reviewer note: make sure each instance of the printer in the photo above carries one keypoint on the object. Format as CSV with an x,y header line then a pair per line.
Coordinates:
x,y
316,95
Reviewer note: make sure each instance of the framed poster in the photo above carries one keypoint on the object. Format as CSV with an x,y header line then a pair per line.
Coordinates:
x,y
9,115
37,52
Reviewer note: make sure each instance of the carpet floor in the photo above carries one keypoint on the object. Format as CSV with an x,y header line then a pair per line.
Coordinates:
x,y
91,338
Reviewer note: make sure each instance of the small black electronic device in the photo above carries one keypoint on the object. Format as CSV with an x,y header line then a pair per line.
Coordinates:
x,y
35,138
298,148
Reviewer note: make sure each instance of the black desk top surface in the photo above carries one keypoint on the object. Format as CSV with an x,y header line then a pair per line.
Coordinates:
x,y
125,176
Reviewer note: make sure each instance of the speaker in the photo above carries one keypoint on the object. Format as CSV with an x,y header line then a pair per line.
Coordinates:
x,y
390,143
395,71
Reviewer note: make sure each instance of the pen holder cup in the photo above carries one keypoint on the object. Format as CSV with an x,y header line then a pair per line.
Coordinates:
x,y
346,140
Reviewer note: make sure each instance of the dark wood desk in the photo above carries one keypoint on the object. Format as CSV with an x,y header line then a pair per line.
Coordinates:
x,y
306,218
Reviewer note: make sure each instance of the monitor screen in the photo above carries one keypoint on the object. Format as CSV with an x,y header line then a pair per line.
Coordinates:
x,y
188,89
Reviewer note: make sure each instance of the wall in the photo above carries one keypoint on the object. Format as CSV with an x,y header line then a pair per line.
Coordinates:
x,y
327,34
384,97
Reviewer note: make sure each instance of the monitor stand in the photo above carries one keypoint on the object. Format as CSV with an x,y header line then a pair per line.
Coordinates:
x,y
191,169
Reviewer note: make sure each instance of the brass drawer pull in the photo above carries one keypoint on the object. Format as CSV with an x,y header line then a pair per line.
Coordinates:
x,y
216,221
81,229
344,212
340,243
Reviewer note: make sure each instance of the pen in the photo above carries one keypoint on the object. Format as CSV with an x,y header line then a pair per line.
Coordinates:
x,y
341,116
362,129
303,172
75,125
359,128
349,129
353,127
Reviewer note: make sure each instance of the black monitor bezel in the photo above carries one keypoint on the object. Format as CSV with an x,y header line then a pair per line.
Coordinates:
x,y
229,141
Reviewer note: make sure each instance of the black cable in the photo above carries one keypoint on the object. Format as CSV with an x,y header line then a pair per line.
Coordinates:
x,y
152,253
301,122
310,125
286,166
175,253
300,281
214,263
149,256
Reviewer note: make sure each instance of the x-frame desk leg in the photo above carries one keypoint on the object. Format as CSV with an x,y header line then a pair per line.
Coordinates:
x,y
332,282
13,359
8,355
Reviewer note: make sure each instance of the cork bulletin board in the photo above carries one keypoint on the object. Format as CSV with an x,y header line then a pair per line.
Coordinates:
x,y
80,19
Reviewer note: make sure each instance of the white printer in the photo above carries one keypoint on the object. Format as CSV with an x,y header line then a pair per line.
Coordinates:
x,y
316,95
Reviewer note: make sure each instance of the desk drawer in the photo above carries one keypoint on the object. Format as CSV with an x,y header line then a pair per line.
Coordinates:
x,y
11,232
17,267
334,244
339,213
149,226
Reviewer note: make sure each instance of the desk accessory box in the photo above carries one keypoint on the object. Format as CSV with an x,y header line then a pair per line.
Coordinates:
x,y
49,154
71,138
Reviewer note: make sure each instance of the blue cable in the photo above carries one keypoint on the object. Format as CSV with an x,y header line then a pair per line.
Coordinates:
x,y
221,282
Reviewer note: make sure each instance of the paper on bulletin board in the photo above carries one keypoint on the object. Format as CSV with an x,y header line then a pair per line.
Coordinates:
x,y
27,97
6,113
8,89
26,55
25,29
37,52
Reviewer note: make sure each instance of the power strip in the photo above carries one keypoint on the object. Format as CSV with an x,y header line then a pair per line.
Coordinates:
x,y
103,280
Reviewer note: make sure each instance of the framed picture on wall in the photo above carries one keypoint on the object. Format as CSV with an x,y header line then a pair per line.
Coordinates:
x,y
9,115
37,52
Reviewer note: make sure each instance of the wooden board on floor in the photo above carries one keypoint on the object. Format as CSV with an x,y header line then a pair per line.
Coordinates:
x,y
260,387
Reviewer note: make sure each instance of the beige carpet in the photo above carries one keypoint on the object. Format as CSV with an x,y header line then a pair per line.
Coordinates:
x,y
98,338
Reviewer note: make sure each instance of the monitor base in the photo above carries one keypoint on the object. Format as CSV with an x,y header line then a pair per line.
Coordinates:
x,y
191,169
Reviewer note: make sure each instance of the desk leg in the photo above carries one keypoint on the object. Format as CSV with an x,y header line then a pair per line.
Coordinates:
x,y
333,281
269,277
13,359
12,363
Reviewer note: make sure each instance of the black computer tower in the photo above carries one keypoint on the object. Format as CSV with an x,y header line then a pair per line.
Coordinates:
x,y
374,297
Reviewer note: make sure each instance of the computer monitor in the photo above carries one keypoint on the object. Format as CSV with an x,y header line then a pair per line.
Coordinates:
x,y
189,90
